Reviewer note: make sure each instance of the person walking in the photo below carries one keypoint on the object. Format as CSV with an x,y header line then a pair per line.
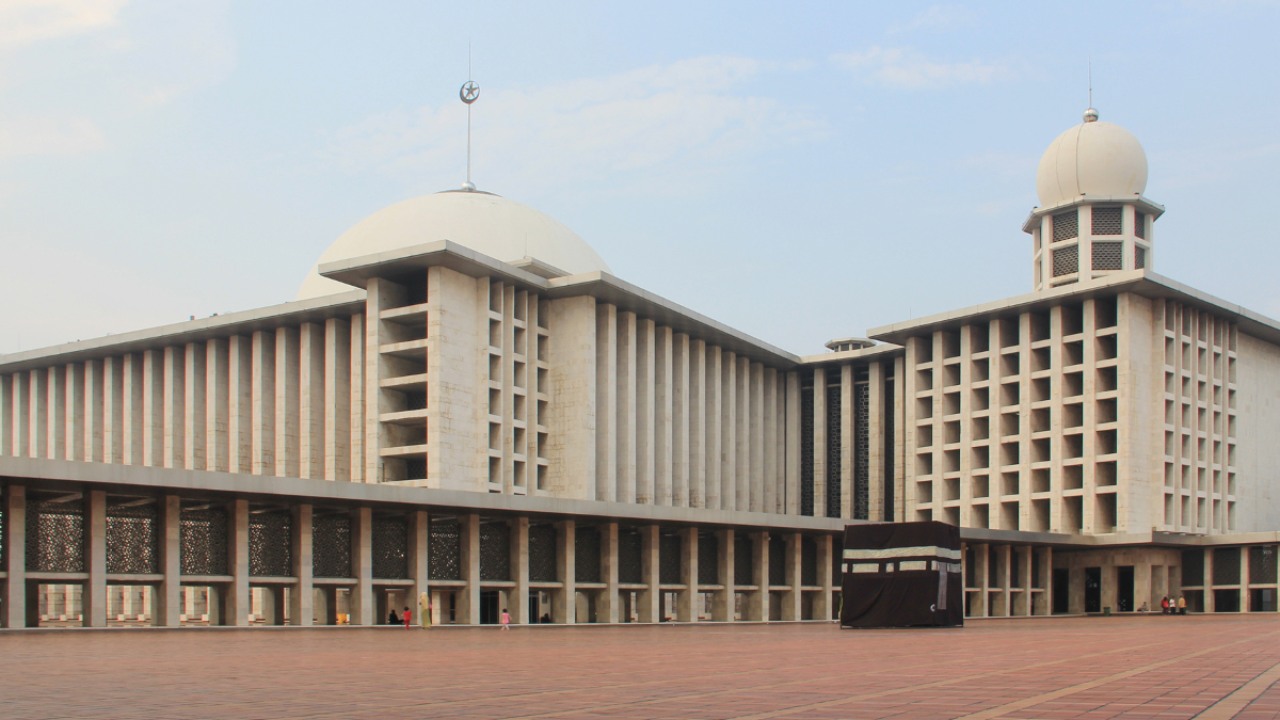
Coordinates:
x,y
505,620
406,616
424,610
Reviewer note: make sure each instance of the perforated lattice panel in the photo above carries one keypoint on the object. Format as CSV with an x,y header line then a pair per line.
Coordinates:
x,y
1106,220
1226,566
204,541
331,545
542,553
1262,565
743,573
1108,256
777,561
445,549
391,547
1140,225
808,561
708,558
586,554
270,544
835,449
1193,567
495,551
630,554
1066,226
1066,261
670,566
55,536
133,538
806,446
1139,258
862,451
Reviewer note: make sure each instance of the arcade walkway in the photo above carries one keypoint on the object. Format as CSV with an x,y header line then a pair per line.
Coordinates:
x,y
1215,666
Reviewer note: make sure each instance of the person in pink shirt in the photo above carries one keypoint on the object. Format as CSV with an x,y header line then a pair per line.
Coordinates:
x,y
505,621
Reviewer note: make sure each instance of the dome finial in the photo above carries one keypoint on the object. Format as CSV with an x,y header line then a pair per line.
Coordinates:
x,y
1090,115
468,94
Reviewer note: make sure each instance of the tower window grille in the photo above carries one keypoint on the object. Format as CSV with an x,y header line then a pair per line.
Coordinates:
x,y
1140,225
1106,220
708,558
743,573
1066,261
835,448
55,536
670,562
542,553
1066,225
204,541
133,538
1108,256
269,544
1139,258
586,556
862,446
444,549
495,550
630,554
391,547
806,445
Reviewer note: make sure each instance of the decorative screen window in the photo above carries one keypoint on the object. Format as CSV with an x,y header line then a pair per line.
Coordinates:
x,y
1066,261
1139,258
1066,226
1140,225
1106,220
1108,256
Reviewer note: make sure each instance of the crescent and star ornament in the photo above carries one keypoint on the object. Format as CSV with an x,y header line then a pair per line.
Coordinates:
x,y
470,92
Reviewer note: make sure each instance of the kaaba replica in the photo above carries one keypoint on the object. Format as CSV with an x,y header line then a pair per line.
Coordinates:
x,y
902,575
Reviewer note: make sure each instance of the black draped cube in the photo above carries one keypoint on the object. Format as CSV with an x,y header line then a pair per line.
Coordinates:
x,y
902,575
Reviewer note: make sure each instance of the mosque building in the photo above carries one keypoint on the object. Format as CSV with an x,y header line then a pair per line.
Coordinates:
x,y
464,401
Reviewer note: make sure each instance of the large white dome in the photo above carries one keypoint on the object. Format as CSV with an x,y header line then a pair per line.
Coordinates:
x,y
1095,159
486,223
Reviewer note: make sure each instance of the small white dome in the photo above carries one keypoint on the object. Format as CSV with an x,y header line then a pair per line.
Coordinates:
x,y
487,223
1096,159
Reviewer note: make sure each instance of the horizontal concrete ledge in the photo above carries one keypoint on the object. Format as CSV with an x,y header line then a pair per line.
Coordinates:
x,y
434,628
132,479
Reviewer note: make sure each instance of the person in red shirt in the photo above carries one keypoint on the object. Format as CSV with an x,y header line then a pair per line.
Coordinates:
x,y
406,617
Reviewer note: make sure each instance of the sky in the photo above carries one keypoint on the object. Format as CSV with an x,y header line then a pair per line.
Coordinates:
x,y
800,171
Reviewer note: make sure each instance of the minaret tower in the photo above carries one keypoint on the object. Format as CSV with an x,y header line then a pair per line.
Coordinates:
x,y
1093,219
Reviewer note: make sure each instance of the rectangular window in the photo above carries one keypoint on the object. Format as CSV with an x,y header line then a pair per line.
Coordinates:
x,y
1106,220
1066,226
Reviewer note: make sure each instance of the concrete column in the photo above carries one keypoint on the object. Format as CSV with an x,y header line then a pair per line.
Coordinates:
x,y
697,422
651,597
173,416
195,398
713,417
357,407
664,442
74,412
520,571
37,413
758,605
240,404
216,393
168,600
263,400
792,599
722,608
418,555
686,605
153,407
1209,604
730,440
610,607
311,407
643,413
285,423
756,425
337,399
626,417
15,543
564,605
95,588
302,610
791,502
982,574
469,596
1142,590
823,608
362,605
236,611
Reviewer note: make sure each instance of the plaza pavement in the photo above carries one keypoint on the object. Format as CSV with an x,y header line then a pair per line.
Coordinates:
x,y
1100,667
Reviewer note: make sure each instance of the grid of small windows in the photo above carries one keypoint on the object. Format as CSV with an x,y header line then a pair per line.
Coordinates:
x,y
1066,261
834,446
1108,255
806,445
1140,225
1066,226
1106,220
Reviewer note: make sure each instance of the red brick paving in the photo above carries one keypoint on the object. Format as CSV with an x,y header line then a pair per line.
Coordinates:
x,y
1119,667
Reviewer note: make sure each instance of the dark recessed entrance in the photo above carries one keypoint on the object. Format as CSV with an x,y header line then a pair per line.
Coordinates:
x,y
1093,590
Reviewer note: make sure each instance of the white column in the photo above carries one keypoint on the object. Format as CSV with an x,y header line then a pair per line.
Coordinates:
x,y
263,399
311,407
172,416
94,406
302,599
217,392
286,404
697,424
240,404
195,401
15,543
715,417
606,403
95,588
626,417
237,596
168,600
337,399
153,418
680,427
362,605
74,412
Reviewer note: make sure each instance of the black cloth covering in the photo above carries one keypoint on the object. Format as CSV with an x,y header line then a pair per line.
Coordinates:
x,y
902,575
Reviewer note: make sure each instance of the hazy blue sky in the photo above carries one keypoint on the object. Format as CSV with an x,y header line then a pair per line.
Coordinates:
x,y
800,171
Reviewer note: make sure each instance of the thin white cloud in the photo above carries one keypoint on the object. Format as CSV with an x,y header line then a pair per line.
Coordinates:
x,y
936,17
49,136
904,67
691,116
25,22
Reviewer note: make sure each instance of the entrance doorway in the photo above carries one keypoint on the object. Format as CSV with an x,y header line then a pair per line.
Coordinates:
x,y
489,609
1093,590
1124,588
1061,591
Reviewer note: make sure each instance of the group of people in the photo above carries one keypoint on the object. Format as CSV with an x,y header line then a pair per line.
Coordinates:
x,y
424,614
1173,606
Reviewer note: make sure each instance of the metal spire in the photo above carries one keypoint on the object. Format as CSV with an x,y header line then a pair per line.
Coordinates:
x,y
469,93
